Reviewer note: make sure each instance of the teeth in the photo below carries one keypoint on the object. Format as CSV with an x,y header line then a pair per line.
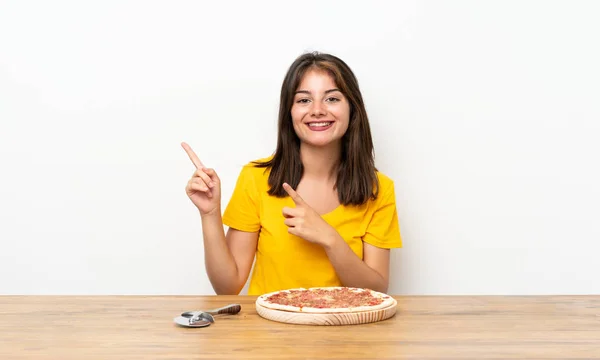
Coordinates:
x,y
320,124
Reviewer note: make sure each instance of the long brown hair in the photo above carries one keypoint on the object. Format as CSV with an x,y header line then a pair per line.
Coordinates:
x,y
357,178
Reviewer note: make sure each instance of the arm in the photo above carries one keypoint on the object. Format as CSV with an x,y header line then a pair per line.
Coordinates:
x,y
228,258
371,273
382,233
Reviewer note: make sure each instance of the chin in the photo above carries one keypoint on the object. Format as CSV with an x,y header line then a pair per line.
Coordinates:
x,y
320,142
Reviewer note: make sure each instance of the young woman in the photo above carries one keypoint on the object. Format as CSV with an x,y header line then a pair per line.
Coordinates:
x,y
315,213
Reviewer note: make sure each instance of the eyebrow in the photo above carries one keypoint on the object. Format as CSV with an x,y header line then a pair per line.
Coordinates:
x,y
308,92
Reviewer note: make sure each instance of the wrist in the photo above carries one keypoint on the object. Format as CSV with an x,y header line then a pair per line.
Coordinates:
x,y
332,241
214,213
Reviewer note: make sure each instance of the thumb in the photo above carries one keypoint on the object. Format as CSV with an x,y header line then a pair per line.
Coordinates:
x,y
212,174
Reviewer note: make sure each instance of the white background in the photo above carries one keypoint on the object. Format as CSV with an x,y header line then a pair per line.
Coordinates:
x,y
485,114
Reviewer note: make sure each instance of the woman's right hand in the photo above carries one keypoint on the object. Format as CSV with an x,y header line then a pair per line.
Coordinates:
x,y
204,187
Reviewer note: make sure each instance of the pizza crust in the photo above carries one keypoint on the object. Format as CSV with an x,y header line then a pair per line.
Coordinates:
x,y
387,301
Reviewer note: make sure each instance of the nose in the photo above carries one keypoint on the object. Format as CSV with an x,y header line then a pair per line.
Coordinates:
x,y
318,109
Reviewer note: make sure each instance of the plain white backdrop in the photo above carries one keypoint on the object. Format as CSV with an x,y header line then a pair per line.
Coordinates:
x,y
485,114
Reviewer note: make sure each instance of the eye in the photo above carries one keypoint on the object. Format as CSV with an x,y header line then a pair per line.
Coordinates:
x,y
333,99
302,101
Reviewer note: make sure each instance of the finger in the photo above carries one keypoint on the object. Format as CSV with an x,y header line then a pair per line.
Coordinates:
x,y
290,212
192,155
293,194
294,231
202,175
291,222
200,183
201,188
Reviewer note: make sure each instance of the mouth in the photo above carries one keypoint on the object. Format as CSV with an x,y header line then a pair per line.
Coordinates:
x,y
319,125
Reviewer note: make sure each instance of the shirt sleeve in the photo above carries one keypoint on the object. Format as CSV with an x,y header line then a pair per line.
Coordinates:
x,y
384,230
242,212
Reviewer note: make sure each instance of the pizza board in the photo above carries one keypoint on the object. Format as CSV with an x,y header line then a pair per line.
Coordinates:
x,y
342,318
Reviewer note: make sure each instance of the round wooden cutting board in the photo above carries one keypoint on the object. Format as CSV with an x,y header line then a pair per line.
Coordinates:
x,y
351,318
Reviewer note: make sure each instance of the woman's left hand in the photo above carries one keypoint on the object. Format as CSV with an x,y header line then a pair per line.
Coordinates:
x,y
305,222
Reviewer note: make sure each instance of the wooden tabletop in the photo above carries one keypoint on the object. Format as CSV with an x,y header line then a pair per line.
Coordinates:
x,y
425,327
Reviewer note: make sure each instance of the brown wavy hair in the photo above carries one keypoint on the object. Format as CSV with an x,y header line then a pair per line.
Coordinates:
x,y
356,180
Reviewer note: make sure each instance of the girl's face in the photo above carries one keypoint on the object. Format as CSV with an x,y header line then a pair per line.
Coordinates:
x,y
320,113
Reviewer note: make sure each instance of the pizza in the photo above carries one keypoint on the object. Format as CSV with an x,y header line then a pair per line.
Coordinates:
x,y
325,300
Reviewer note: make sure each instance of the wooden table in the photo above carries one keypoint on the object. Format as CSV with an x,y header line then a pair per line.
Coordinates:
x,y
425,327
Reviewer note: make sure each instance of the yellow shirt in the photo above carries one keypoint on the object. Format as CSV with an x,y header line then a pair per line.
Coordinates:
x,y
285,261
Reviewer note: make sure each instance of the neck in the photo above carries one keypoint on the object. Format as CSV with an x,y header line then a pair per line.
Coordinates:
x,y
321,162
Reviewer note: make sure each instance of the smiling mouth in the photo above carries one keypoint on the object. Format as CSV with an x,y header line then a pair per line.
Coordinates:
x,y
319,125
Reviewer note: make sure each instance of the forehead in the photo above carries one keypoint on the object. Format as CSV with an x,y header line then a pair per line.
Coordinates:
x,y
317,79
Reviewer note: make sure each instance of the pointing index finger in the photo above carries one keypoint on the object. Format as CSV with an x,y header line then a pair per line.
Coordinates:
x,y
293,194
192,156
